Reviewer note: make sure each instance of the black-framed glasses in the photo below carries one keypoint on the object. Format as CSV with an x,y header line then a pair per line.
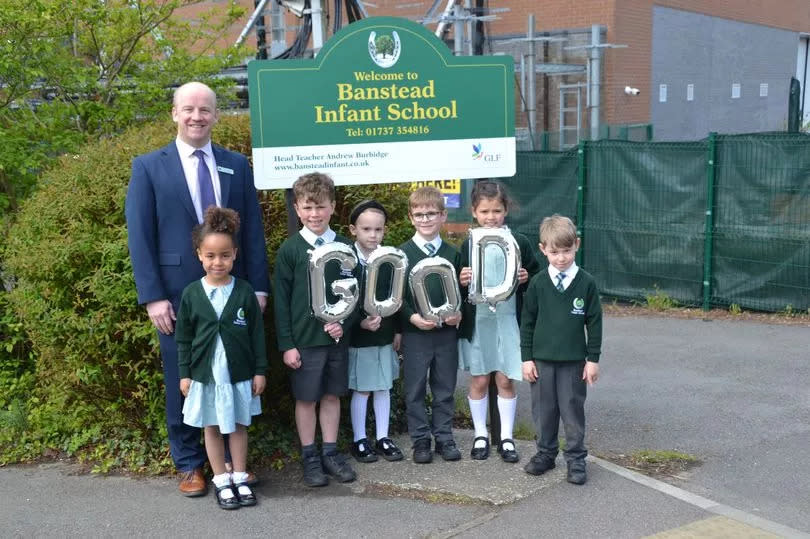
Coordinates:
x,y
427,216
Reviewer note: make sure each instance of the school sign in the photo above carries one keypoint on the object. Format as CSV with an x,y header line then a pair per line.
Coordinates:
x,y
384,101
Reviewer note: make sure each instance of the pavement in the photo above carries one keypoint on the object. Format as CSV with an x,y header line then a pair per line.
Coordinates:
x,y
730,393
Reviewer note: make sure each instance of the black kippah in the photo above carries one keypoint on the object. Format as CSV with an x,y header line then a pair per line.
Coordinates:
x,y
366,205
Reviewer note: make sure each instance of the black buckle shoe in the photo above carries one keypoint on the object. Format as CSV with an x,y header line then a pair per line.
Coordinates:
x,y
576,472
539,464
508,455
448,450
245,500
338,467
313,472
227,503
389,450
480,453
421,451
363,452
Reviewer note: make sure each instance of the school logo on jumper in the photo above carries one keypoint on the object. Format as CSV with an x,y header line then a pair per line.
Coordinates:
x,y
384,49
477,153
240,317
579,305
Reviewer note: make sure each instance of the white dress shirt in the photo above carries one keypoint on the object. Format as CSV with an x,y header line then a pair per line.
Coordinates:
x,y
310,237
570,273
421,243
189,162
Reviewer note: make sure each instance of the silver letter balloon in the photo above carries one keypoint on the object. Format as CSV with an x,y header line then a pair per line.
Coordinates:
x,y
482,241
345,289
447,273
391,304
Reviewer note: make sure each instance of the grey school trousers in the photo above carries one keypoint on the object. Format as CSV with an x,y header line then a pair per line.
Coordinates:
x,y
559,393
430,357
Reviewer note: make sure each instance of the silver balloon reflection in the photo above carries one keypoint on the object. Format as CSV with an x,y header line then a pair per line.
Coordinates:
x,y
447,272
391,304
501,239
345,289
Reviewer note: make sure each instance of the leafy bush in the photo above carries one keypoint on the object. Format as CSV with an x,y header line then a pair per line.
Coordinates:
x,y
91,385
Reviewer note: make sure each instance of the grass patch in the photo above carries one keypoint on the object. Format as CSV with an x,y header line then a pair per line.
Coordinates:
x,y
735,309
430,496
658,300
523,431
656,462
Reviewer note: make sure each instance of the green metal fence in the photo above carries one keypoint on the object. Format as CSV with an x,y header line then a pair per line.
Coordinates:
x,y
715,222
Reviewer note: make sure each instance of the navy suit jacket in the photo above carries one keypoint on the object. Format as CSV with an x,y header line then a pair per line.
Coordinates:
x,y
160,216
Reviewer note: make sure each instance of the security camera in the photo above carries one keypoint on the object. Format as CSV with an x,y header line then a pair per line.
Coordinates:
x,y
629,90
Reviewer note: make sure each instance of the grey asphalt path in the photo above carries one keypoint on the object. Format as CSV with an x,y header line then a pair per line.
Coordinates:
x,y
732,394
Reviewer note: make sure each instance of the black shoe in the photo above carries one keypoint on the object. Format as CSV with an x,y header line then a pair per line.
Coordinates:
x,y
421,451
245,500
508,455
338,467
227,503
363,452
576,472
313,472
448,450
480,453
388,449
539,464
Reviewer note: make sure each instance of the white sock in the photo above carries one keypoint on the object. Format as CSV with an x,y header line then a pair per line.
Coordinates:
x,y
358,411
478,411
223,480
506,408
382,410
241,477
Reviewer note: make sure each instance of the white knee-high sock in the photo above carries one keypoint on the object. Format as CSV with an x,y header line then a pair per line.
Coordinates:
x,y
358,412
382,411
507,408
478,411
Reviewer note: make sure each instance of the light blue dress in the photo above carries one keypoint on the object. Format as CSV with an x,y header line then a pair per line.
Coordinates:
x,y
220,403
495,343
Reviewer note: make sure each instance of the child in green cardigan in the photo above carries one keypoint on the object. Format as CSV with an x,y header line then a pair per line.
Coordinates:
x,y
373,363
221,355
314,351
560,341
489,341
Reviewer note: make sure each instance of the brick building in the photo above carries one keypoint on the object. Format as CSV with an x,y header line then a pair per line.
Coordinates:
x,y
698,65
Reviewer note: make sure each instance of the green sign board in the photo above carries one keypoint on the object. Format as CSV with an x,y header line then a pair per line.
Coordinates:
x,y
384,101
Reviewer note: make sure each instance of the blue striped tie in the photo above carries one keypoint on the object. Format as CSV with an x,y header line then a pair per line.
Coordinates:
x,y
431,249
560,277
318,242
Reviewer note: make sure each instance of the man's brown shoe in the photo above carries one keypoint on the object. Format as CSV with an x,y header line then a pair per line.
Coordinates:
x,y
193,483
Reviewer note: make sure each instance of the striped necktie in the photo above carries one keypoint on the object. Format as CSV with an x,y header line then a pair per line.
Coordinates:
x,y
431,249
319,241
560,278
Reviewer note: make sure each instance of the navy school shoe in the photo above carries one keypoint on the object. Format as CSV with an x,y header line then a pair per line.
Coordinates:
x,y
448,450
539,464
363,452
388,449
421,451
337,465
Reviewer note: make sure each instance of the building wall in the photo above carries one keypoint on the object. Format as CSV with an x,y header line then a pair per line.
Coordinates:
x,y
712,53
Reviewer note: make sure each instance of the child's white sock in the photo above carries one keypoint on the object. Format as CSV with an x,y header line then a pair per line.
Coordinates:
x,y
507,408
223,480
241,477
478,411
358,411
382,410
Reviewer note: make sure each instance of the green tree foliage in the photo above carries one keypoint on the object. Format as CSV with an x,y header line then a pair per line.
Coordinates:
x,y
385,45
76,71
91,384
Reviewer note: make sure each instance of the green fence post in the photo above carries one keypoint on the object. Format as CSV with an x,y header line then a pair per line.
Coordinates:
x,y
544,141
649,132
581,175
623,132
711,167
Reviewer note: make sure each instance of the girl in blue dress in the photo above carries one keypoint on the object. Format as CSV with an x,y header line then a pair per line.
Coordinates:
x,y
221,355
489,342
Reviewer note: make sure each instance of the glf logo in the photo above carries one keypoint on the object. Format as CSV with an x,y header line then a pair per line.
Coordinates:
x,y
477,152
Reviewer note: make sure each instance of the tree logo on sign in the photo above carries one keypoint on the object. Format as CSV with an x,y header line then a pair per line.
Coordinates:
x,y
384,49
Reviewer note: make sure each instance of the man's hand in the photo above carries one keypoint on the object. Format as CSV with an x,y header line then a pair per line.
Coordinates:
x,y
185,385
529,371
162,315
292,358
262,299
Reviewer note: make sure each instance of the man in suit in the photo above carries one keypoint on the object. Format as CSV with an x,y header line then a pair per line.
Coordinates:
x,y
168,193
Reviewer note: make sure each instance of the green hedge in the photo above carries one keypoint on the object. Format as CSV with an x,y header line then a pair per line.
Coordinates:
x,y
80,372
